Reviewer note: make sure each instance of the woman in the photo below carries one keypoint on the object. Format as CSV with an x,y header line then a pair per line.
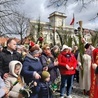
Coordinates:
x,y
32,67
67,66
48,62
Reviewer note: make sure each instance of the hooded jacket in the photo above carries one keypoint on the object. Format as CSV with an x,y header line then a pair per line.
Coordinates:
x,y
12,78
67,59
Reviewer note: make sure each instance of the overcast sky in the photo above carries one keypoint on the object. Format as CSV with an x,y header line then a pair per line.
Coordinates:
x,y
36,8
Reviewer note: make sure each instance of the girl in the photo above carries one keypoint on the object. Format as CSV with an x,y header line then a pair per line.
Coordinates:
x,y
14,81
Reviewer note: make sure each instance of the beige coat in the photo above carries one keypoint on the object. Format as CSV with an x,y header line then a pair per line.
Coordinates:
x,y
14,93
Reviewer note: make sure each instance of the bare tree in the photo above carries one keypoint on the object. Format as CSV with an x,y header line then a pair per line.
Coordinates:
x,y
6,10
65,3
18,25
6,7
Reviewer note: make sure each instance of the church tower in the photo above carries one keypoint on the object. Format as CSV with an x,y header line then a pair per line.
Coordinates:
x,y
57,19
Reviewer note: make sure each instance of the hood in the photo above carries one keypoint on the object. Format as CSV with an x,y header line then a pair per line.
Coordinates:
x,y
65,47
12,67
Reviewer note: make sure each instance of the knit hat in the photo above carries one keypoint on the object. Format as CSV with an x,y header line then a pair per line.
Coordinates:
x,y
35,52
55,47
65,47
45,75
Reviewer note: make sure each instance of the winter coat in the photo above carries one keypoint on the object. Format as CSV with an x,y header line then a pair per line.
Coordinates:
x,y
2,92
51,68
6,57
12,78
67,59
31,65
44,90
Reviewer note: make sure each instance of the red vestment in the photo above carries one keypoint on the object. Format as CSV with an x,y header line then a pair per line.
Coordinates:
x,y
94,77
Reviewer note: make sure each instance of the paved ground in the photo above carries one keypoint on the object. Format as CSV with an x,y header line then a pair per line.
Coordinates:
x,y
76,92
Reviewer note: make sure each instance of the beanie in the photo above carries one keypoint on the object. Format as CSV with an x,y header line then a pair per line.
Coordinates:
x,y
35,52
45,75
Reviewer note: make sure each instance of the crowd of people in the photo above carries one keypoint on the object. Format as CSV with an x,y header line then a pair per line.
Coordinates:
x,y
42,66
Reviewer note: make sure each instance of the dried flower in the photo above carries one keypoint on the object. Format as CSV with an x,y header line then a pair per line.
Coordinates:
x,y
40,39
48,61
26,89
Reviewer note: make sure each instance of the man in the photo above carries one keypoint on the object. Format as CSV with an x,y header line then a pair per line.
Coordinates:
x,y
8,54
94,75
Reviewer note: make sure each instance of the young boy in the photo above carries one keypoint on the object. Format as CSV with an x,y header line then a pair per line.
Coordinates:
x,y
44,86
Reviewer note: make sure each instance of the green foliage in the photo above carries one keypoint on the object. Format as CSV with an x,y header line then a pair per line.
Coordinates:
x,y
75,41
94,39
65,37
60,36
69,42
81,51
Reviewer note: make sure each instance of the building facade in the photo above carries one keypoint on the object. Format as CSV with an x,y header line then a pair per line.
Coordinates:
x,y
49,30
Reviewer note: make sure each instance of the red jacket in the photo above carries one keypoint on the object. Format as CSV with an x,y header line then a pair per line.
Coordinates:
x,y
69,60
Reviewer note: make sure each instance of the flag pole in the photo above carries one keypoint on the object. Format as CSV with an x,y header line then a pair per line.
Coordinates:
x,y
80,24
74,20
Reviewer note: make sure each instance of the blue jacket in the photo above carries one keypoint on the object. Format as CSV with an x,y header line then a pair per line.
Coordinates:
x,y
31,65
2,92
44,90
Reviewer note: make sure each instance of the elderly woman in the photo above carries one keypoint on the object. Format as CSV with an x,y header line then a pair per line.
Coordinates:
x,y
32,67
67,66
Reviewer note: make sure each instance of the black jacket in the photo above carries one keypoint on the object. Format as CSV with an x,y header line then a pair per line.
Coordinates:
x,y
44,90
5,58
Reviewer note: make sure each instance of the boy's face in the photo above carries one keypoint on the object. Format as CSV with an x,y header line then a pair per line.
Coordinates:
x,y
17,69
47,79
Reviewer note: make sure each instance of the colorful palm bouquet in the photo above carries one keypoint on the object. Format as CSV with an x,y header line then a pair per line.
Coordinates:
x,y
25,91
48,61
53,87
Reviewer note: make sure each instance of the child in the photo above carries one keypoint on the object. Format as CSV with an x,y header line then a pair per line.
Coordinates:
x,y
44,86
14,82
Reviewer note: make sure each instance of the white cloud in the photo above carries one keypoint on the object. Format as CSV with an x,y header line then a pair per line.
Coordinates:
x,y
36,8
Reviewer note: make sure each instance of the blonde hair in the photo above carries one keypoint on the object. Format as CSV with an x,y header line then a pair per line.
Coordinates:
x,y
45,46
